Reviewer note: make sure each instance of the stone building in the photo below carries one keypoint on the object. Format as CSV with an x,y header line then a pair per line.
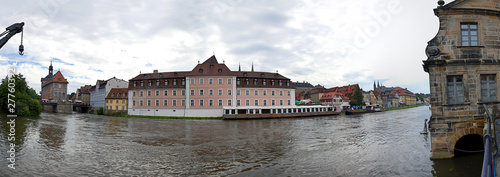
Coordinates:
x,y
54,86
463,66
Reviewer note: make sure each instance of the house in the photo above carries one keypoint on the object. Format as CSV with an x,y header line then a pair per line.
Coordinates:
x,y
406,97
101,89
54,86
332,99
116,100
83,94
463,65
206,90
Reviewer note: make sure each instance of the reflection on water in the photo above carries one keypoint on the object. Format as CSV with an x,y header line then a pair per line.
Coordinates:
x,y
378,144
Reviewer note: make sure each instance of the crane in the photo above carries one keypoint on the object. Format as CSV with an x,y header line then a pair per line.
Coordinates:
x,y
11,31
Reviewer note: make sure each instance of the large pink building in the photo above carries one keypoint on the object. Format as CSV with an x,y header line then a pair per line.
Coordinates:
x,y
206,90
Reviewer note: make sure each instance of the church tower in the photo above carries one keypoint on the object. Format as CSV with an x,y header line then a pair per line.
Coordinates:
x,y
51,69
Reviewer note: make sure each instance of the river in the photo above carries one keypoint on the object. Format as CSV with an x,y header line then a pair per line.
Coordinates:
x,y
377,144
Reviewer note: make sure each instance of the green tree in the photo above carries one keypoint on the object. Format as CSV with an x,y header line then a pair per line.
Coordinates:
x,y
357,98
26,98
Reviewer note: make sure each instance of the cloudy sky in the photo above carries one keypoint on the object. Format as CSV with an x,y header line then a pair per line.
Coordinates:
x,y
327,42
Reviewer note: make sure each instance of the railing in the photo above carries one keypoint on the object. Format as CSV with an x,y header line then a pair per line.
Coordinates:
x,y
488,165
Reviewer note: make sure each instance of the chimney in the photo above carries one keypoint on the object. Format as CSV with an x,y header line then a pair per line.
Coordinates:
x,y
155,71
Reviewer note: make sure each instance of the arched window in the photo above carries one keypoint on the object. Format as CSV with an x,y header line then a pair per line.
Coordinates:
x,y
255,82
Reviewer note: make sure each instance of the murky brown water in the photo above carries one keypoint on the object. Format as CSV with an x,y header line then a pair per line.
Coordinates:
x,y
378,144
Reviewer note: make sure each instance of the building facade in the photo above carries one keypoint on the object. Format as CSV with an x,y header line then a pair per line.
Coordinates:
x,y
101,89
83,94
54,86
117,100
205,90
463,66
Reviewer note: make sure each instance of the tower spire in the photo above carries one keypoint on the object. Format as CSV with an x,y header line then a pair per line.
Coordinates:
x,y
239,66
51,69
252,66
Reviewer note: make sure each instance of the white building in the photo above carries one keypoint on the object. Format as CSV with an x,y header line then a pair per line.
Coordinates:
x,y
100,90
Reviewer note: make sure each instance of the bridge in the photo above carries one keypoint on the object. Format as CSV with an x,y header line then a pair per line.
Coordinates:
x,y
65,107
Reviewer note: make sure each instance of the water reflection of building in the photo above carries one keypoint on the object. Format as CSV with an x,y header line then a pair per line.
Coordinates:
x,y
53,134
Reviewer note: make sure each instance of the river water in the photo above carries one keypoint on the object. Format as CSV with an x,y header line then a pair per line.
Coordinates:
x,y
377,144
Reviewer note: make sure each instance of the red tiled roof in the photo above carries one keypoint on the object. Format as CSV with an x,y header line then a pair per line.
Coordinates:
x,y
85,89
347,91
402,92
329,96
117,93
59,78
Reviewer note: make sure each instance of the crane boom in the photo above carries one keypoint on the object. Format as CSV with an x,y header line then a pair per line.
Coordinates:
x,y
11,31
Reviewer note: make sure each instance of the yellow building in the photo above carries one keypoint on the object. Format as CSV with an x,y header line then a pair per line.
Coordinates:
x,y
117,100
406,97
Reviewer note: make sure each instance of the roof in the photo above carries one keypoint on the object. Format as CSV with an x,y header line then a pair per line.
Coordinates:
x,y
59,78
85,89
117,93
402,92
210,67
329,96
347,91
302,84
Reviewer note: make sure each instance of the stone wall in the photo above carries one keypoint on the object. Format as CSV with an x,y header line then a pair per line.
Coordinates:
x,y
447,57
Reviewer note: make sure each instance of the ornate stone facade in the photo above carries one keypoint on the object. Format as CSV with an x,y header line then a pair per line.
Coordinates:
x,y
463,65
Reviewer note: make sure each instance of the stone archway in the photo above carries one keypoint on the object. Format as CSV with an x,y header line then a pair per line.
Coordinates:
x,y
459,134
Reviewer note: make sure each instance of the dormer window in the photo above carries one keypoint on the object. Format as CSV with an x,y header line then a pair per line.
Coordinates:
x,y
211,66
220,70
112,95
60,79
262,74
175,74
201,70
469,34
244,74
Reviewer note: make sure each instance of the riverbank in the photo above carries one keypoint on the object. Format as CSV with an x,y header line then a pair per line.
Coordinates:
x,y
403,107
168,117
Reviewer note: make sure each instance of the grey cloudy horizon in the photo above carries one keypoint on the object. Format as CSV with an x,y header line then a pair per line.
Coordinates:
x,y
332,43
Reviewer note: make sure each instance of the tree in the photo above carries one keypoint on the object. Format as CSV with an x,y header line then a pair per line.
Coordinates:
x,y
25,98
357,98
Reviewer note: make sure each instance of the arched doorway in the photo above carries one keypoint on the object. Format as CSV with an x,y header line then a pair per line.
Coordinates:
x,y
467,144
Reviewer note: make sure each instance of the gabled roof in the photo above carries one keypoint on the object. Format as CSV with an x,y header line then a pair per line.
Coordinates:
x,y
117,93
347,91
210,67
59,78
85,89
